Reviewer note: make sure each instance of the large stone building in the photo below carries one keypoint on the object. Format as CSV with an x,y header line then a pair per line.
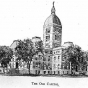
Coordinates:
x,y
52,37
51,60
36,63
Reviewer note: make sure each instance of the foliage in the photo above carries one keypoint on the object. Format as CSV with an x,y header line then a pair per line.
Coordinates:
x,y
24,50
5,55
74,55
38,47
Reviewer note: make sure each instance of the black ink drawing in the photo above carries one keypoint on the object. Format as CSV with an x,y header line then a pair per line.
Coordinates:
x,y
34,57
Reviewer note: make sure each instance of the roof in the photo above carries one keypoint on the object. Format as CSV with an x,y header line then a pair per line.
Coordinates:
x,y
52,19
14,44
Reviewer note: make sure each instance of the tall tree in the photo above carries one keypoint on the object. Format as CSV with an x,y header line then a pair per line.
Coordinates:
x,y
25,50
74,55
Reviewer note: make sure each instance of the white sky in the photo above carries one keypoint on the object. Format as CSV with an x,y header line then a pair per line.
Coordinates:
x,y
21,19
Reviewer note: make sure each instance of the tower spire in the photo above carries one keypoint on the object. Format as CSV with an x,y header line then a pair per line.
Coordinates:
x,y
53,3
53,9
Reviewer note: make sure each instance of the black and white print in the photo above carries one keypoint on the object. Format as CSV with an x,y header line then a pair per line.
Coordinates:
x,y
46,39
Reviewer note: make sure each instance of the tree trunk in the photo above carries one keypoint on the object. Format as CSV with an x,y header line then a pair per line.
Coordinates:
x,y
70,68
29,66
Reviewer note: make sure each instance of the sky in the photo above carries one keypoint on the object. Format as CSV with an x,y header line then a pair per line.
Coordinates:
x,y
21,19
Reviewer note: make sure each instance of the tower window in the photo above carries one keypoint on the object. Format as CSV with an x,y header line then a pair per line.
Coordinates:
x,y
59,30
47,30
47,38
57,37
56,28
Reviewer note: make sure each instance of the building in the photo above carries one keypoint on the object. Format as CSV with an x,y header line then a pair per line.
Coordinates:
x,y
37,60
52,37
16,64
37,64
50,61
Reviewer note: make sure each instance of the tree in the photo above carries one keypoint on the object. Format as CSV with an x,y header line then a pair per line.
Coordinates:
x,y
24,51
38,47
74,55
5,55
85,60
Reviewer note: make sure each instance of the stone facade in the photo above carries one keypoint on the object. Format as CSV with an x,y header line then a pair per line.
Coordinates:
x,y
37,64
52,37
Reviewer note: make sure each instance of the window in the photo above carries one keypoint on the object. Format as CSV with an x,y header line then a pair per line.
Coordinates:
x,y
47,38
49,66
63,58
16,64
62,65
54,58
58,72
47,30
46,51
44,59
44,72
58,66
36,58
58,52
54,52
57,37
51,52
48,72
67,72
57,44
63,72
59,30
58,57
49,58
47,45
56,28
54,66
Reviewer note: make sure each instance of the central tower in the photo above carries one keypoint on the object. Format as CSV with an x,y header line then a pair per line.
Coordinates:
x,y
52,36
52,31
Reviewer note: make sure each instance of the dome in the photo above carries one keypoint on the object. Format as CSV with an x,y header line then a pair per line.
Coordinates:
x,y
52,19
